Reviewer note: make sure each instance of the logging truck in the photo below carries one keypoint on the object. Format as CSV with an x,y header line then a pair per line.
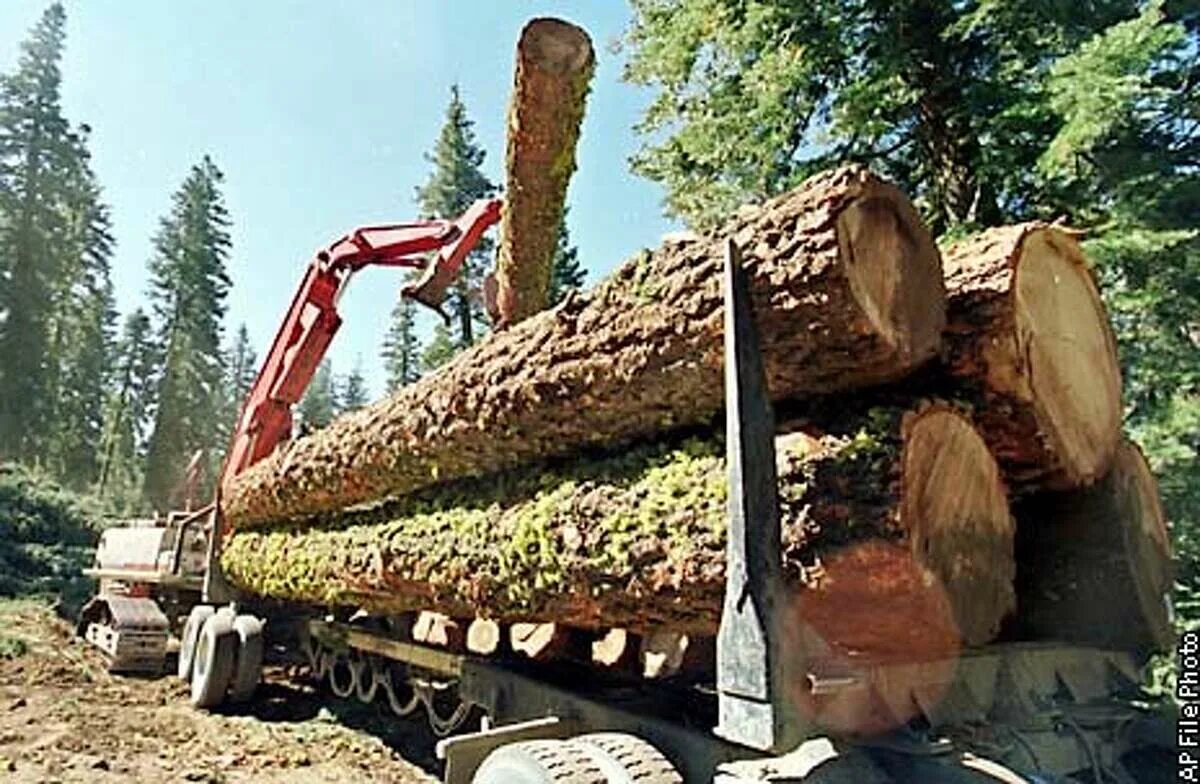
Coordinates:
x,y
839,593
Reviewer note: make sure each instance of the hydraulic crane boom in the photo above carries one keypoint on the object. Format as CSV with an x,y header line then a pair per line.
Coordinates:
x,y
312,319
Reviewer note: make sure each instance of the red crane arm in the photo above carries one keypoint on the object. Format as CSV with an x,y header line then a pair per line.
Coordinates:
x,y
312,319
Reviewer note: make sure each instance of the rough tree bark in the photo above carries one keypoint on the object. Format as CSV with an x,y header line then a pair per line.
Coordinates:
x,y
897,534
554,68
1094,565
1028,337
847,290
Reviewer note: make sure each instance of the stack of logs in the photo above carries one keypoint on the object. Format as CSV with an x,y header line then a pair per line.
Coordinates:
x,y
951,463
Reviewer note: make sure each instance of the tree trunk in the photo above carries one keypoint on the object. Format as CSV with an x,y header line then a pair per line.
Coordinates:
x,y
1094,565
896,530
847,291
554,68
1028,337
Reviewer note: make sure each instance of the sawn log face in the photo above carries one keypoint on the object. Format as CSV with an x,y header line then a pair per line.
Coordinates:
x,y
847,290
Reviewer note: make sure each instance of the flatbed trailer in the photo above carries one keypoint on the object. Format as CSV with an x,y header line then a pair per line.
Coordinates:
x,y
1022,712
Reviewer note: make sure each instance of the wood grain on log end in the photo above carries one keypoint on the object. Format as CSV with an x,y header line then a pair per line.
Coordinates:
x,y
1029,334
1095,565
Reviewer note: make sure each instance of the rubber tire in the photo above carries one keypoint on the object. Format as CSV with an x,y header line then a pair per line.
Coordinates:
x,y
191,633
216,655
539,762
247,671
627,759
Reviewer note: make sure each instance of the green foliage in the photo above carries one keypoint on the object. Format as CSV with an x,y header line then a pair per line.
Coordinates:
x,y
317,406
55,295
188,287
127,417
350,392
401,347
241,368
47,535
440,348
456,181
566,273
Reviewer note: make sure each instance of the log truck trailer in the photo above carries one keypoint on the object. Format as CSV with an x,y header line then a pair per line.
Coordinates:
x,y
1006,713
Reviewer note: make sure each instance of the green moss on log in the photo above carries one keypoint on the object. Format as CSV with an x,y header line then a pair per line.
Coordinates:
x,y
635,539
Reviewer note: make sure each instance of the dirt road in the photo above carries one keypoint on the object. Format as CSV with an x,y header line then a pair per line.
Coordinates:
x,y
64,718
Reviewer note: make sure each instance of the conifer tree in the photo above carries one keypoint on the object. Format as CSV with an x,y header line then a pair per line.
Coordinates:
x,y
440,348
566,273
127,416
351,390
188,288
454,184
316,408
241,368
52,231
401,347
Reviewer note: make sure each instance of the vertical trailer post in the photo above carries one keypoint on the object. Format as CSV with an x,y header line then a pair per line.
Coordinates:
x,y
754,707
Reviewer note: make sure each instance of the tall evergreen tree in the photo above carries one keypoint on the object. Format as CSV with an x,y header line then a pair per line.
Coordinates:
x,y
81,336
440,348
401,346
317,407
188,288
566,273
350,391
48,209
454,184
127,415
241,368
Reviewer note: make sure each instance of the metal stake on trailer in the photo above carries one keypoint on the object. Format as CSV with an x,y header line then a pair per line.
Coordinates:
x,y
753,705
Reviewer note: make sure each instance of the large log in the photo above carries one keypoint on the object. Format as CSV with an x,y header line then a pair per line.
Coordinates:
x,y
1028,336
554,68
1094,565
898,541
847,290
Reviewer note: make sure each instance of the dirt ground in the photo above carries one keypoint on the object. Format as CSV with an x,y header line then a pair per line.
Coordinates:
x,y
63,718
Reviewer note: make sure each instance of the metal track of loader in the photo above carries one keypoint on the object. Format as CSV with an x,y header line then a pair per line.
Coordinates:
x,y
132,632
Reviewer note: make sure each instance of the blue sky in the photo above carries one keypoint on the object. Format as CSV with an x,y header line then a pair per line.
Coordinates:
x,y
320,115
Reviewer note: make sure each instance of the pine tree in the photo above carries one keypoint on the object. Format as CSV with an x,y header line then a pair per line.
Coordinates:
x,y
401,347
454,184
127,416
188,288
241,368
351,390
440,348
45,198
566,273
316,408
81,336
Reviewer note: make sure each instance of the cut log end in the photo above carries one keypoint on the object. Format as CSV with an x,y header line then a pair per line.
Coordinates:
x,y
1073,371
890,260
947,582
1028,334
556,46
1095,564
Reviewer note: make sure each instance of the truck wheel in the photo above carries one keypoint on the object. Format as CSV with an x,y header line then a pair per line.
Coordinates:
x,y
191,633
248,669
627,759
539,762
216,655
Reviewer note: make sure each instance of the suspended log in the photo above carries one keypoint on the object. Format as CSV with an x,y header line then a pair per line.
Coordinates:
x,y
554,68
1028,336
847,290
1094,565
898,541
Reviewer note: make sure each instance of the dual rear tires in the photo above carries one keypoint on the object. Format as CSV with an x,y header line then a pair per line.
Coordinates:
x,y
596,758
220,653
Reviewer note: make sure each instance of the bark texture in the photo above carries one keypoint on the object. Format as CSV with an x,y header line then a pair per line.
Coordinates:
x,y
847,291
897,538
1094,565
554,68
1028,337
